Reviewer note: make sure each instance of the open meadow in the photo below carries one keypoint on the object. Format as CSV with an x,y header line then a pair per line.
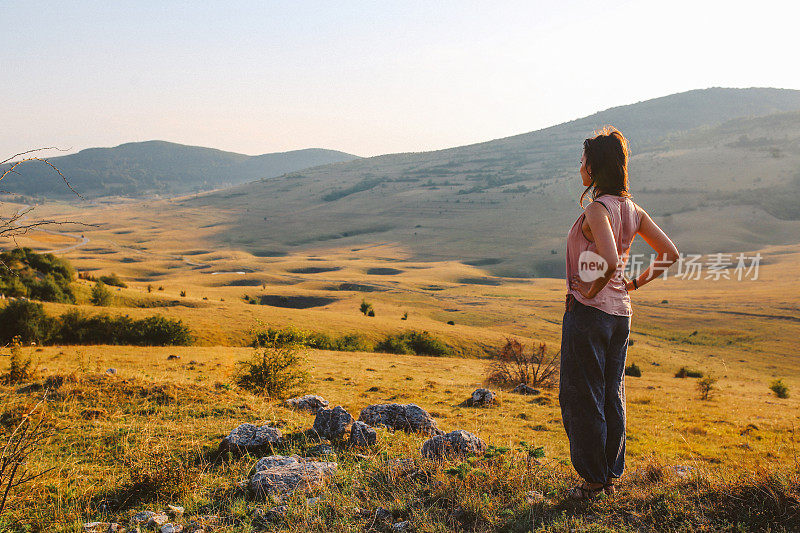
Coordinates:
x,y
147,434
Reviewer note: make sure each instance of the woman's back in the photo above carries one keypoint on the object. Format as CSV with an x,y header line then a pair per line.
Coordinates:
x,y
625,219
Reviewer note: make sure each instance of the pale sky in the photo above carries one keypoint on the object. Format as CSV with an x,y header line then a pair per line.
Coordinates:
x,y
365,77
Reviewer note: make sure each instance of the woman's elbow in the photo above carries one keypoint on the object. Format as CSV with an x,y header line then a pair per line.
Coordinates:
x,y
672,256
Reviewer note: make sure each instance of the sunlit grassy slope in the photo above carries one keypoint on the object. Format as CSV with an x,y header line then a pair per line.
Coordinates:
x,y
742,332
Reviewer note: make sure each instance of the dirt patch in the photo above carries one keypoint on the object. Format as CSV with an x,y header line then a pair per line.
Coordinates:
x,y
244,282
383,271
269,253
481,281
314,270
295,302
359,287
486,261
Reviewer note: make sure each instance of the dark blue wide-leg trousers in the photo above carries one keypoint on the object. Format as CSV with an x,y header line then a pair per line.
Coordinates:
x,y
594,345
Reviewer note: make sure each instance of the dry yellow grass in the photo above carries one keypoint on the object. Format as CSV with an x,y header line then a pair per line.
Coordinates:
x,y
746,335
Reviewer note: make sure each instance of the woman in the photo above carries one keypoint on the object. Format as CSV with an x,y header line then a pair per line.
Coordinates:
x,y
596,325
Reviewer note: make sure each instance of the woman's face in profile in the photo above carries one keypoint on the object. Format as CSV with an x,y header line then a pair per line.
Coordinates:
x,y
584,171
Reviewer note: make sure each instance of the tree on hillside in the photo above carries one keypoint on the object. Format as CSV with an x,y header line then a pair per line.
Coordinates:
x,y
100,294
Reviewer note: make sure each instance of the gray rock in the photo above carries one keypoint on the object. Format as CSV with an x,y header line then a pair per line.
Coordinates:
x,y
283,475
142,517
310,402
101,527
174,511
171,528
455,443
173,357
481,398
410,418
362,435
405,525
249,438
333,423
157,521
524,388
111,371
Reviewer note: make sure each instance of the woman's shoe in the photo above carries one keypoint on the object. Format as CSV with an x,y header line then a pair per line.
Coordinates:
x,y
583,492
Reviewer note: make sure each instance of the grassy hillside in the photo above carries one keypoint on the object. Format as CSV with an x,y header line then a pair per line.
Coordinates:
x,y
698,157
158,167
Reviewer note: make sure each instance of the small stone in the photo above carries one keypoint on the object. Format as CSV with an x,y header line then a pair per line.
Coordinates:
x,y
157,520
362,435
171,528
250,438
312,501
173,357
524,388
142,517
278,474
410,418
111,371
174,511
310,402
333,423
455,443
481,398
101,527
402,526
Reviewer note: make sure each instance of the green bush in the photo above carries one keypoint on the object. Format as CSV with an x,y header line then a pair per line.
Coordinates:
x,y
19,367
351,342
366,308
274,371
25,320
100,294
780,389
113,280
38,276
686,373
413,342
633,371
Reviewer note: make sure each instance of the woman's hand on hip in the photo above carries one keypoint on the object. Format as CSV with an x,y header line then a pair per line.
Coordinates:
x,y
582,287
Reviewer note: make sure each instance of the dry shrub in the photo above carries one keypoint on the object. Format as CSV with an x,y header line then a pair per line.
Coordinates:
x,y
155,470
513,365
277,371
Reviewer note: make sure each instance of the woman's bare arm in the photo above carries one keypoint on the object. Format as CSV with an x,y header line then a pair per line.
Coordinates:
x,y
666,252
603,235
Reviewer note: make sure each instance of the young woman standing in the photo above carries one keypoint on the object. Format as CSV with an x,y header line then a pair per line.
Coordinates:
x,y
596,324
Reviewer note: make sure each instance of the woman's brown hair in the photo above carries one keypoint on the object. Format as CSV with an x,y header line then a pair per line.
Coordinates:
x,y
607,155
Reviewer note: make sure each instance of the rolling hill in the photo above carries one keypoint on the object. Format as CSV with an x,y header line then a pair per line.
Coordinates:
x,y
718,168
158,167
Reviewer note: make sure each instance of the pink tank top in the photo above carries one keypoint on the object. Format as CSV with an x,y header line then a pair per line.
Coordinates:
x,y
625,219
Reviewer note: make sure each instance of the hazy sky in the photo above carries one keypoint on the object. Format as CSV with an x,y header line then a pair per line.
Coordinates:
x,y
367,77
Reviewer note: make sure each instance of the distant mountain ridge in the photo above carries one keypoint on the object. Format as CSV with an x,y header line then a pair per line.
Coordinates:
x,y
159,167
509,202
